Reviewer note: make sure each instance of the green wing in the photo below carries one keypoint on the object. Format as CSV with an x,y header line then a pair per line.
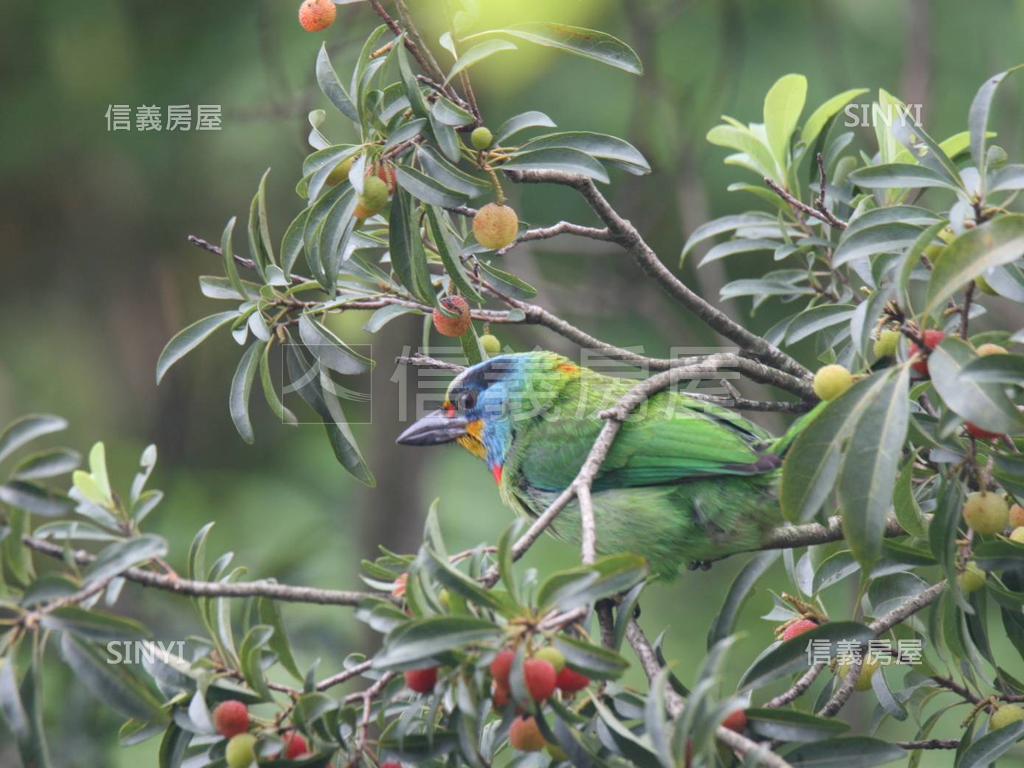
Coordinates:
x,y
672,439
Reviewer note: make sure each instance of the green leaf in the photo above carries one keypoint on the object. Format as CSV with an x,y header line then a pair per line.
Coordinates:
x,y
173,746
270,614
478,53
599,145
788,725
46,464
783,105
427,189
27,429
228,255
819,117
588,43
292,242
521,122
791,656
738,593
908,512
260,244
93,626
113,684
241,387
816,319
587,584
845,752
189,338
924,148
421,641
406,246
449,254
988,748
250,656
899,176
22,710
120,556
871,464
985,405
992,244
331,86
743,140
34,499
591,660
722,225
331,351
995,369
506,282
270,392
410,83
461,584
977,119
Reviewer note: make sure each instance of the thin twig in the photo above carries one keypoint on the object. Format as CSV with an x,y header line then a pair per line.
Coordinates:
x,y
182,586
803,207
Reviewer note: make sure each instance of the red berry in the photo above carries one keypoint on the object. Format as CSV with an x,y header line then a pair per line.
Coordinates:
x,y
931,339
390,765
453,326
317,15
501,667
500,696
231,718
295,745
421,680
386,173
737,721
540,678
798,628
571,681
525,735
981,434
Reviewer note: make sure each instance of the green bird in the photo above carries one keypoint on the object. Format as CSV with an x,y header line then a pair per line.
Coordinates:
x,y
685,481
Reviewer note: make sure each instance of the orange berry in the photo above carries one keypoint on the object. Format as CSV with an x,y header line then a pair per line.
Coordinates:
x,y
317,15
453,326
525,735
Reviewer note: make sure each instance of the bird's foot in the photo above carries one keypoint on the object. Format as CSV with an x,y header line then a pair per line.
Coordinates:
x,y
699,565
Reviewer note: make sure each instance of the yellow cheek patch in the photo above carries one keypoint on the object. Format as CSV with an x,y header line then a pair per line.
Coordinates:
x,y
473,439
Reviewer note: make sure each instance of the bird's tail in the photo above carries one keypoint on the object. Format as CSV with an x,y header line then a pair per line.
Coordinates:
x,y
783,443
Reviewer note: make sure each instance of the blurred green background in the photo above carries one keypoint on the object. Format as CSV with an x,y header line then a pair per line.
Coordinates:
x,y
97,274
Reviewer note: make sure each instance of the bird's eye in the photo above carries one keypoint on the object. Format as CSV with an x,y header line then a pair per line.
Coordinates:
x,y
468,400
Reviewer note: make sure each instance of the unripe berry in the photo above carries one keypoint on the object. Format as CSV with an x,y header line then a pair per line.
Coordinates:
x,y
340,172
1017,535
1007,714
737,721
540,679
495,226
375,193
501,667
986,513
525,735
490,344
972,579
887,343
832,382
989,348
1016,516
797,628
421,680
453,326
867,671
241,751
481,138
571,681
295,745
552,656
984,286
981,434
931,339
231,718
317,15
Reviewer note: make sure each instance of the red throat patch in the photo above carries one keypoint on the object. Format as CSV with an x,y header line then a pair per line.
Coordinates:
x,y
497,474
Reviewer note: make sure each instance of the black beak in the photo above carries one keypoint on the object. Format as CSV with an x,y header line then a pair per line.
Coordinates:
x,y
436,428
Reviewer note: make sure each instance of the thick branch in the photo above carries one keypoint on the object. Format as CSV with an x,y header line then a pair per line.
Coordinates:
x,y
627,235
172,583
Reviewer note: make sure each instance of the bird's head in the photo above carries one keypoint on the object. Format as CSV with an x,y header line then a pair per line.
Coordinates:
x,y
487,403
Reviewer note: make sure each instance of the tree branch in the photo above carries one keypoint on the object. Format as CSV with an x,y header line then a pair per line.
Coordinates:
x,y
624,233
172,583
822,213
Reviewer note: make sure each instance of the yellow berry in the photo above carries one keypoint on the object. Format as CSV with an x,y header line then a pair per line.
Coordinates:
x,y
340,172
867,671
991,349
495,226
1017,535
887,342
1016,516
832,381
986,513
490,344
1007,714
241,751
552,656
972,579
